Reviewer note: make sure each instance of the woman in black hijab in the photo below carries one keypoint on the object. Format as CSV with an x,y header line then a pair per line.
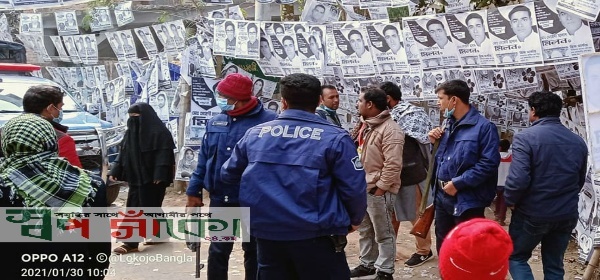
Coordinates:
x,y
146,162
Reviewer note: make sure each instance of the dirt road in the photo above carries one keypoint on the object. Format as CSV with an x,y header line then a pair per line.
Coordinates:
x,y
173,260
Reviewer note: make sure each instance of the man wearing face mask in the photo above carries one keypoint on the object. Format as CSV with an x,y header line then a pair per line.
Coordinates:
x,y
466,162
47,101
240,111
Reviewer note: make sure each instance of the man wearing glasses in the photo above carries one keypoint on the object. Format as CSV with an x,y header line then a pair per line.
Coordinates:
x,y
230,41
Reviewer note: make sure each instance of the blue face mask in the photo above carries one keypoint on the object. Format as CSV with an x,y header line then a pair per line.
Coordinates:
x,y
59,118
222,103
449,113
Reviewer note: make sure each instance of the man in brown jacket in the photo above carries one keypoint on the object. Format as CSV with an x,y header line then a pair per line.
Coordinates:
x,y
380,143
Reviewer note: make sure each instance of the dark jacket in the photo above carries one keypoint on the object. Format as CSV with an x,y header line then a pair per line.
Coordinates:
x,y
468,155
222,133
547,171
300,176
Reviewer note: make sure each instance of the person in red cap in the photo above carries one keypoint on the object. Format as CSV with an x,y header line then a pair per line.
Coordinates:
x,y
239,112
476,249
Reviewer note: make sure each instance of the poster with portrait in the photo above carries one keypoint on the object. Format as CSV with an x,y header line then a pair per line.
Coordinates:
x,y
145,37
431,79
114,40
387,48
207,65
101,19
411,48
411,85
235,13
124,71
514,33
123,13
4,32
586,9
188,160
469,31
355,55
127,43
173,127
320,12
466,75
100,74
246,39
269,61
587,223
432,37
164,77
171,35
262,88
60,48
203,97
311,54
160,103
225,40
564,36
66,23
286,49
567,71
31,24
35,43
590,77
87,48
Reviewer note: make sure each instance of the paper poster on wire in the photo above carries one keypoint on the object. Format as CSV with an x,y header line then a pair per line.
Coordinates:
x,y
60,48
286,48
245,40
188,160
515,36
147,39
387,48
66,23
4,32
457,6
124,71
567,71
170,36
436,48
127,43
262,88
101,19
311,55
466,75
490,81
586,9
195,128
268,62
355,56
319,12
411,85
87,49
473,42
365,4
160,103
431,79
31,24
520,78
590,77
123,13
235,13
410,46
564,36
225,40
203,97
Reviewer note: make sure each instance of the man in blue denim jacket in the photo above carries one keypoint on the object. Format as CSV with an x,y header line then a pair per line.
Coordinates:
x,y
466,162
544,180
240,111
305,185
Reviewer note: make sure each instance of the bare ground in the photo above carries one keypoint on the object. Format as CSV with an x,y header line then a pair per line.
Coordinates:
x,y
134,266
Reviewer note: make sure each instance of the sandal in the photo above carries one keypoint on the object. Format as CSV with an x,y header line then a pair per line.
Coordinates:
x,y
124,249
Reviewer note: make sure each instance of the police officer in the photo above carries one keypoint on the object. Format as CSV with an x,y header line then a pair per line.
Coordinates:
x,y
240,111
304,184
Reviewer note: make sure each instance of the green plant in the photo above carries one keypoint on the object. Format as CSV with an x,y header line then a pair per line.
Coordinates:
x,y
164,17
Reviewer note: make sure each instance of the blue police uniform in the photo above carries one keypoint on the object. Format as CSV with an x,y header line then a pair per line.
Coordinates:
x,y
222,132
303,181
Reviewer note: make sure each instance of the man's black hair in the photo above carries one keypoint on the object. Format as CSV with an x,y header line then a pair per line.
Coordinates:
x,y
229,23
392,90
301,91
250,25
352,32
545,103
38,98
376,95
504,145
389,27
473,16
432,22
287,37
456,88
519,8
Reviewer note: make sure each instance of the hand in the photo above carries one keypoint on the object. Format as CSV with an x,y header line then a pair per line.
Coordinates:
x,y
379,192
435,134
352,228
450,189
194,201
112,178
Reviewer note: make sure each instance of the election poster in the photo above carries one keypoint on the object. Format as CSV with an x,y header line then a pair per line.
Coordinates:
x,y
245,40
520,78
436,48
116,44
123,13
188,160
4,32
145,37
203,97
268,61
431,79
567,71
101,19
515,36
235,13
387,48
262,88
469,31
60,48
31,24
320,12
66,23
171,35
377,13
563,35
586,9
286,49
127,43
355,55
490,81
365,4
410,46
225,40
457,6
411,85
87,48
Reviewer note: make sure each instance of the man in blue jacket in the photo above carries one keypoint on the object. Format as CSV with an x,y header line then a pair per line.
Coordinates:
x,y
240,111
466,162
547,172
304,184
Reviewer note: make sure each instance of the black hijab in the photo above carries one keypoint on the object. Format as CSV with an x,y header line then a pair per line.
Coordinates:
x,y
153,133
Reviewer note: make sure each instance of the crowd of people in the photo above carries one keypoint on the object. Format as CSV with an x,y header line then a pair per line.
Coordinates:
x,y
309,183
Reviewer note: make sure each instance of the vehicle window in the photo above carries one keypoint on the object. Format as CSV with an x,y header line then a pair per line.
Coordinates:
x,y
11,98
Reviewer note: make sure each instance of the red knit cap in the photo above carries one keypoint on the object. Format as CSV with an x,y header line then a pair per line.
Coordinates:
x,y
476,249
236,86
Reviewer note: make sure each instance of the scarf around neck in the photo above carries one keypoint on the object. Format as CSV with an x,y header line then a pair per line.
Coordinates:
x,y
33,169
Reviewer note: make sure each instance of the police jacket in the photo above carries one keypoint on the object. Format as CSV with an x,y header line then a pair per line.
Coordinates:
x,y
468,156
222,132
300,176
547,171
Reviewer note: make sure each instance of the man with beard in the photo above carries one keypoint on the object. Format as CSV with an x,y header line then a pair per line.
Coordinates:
x,y
330,101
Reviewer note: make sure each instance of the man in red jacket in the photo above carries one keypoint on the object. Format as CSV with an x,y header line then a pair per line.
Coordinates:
x,y
47,101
